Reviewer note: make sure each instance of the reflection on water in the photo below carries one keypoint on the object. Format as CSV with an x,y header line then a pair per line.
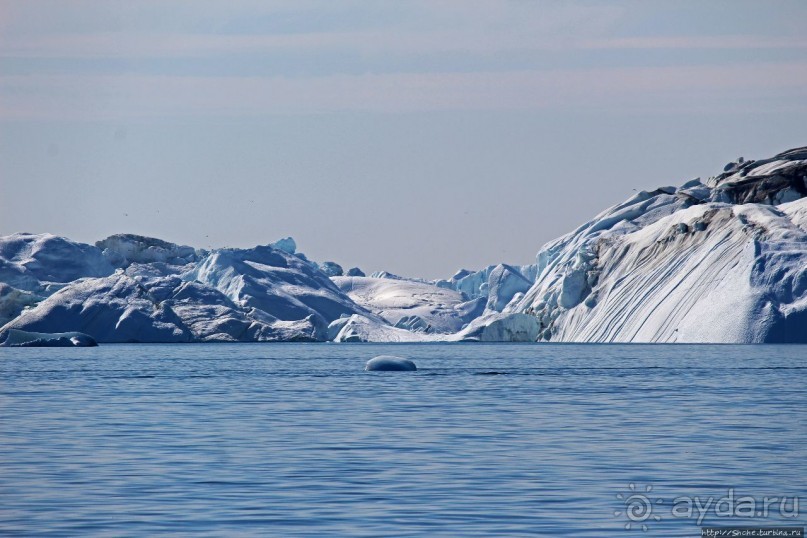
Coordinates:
x,y
296,439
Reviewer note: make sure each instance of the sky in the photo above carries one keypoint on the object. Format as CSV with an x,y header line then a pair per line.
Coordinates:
x,y
416,137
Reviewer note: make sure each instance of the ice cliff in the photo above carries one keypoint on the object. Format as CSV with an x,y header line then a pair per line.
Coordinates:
x,y
720,260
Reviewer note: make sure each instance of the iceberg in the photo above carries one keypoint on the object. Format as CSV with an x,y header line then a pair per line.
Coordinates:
x,y
287,245
720,260
230,295
358,328
17,338
475,284
389,363
116,308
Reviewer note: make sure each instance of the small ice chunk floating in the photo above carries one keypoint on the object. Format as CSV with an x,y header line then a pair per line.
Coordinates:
x,y
390,363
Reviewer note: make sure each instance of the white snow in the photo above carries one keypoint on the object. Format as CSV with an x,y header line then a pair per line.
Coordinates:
x,y
272,281
42,263
409,304
359,328
777,166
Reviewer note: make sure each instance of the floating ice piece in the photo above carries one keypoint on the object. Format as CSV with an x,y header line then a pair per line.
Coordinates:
x,y
17,338
390,363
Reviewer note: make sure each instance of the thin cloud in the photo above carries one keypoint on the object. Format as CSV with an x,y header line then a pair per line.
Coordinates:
x,y
115,45
132,96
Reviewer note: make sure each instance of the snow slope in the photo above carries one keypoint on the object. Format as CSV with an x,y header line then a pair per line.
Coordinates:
x,y
273,282
409,304
33,266
116,308
43,263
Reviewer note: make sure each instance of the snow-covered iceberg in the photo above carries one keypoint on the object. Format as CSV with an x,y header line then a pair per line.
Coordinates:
x,y
116,308
721,260
259,294
271,282
34,266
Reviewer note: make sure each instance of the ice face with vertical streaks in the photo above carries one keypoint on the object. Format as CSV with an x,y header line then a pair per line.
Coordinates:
x,y
724,261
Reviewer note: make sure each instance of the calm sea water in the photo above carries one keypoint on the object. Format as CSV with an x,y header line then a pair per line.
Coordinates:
x,y
488,440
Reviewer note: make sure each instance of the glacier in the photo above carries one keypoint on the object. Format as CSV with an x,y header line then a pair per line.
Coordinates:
x,y
716,260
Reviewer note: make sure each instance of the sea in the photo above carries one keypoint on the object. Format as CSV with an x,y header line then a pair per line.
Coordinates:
x,y
297,439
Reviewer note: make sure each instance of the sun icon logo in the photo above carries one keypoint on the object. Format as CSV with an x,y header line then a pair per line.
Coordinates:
x,y
638,507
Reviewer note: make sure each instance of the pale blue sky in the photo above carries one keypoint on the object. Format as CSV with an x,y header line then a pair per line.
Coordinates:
x,y
411,136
